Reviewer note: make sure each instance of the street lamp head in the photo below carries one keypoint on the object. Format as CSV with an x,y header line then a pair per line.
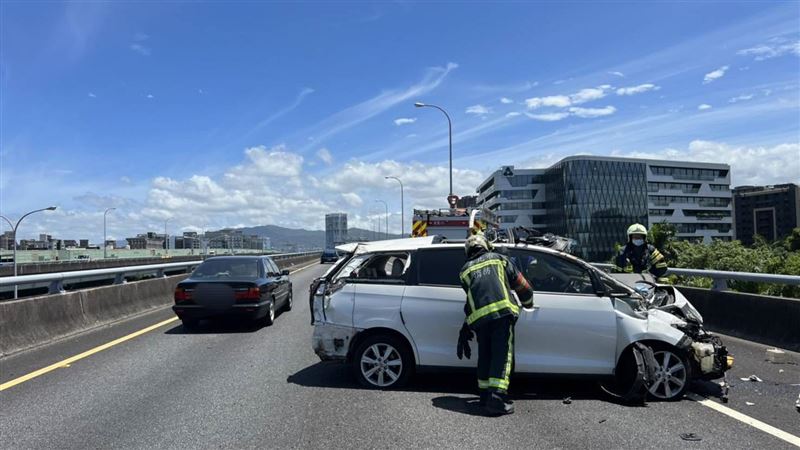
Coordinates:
x,y
419,104
50,208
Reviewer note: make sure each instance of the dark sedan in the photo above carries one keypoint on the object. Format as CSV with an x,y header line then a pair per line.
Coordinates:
x,y
243,286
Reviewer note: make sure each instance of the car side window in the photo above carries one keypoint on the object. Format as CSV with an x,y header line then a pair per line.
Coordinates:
x,y
273,268
552,273
440,266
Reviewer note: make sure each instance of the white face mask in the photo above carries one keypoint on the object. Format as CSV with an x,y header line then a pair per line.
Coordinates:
x,y
638,242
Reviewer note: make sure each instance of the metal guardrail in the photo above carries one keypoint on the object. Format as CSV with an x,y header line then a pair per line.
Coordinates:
x,y
56,279
720,277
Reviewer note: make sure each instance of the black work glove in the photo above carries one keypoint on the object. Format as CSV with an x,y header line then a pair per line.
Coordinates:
x,y
464,336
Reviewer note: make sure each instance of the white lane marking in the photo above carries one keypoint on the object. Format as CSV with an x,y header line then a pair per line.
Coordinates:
x,y
755,423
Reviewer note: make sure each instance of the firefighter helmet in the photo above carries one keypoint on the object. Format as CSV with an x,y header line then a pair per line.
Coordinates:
x,y
637,228
475,242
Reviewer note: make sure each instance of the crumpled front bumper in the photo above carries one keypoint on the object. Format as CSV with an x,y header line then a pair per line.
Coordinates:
x,y
332,342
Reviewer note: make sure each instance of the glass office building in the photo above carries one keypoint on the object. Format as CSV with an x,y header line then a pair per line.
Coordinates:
x,y
593,199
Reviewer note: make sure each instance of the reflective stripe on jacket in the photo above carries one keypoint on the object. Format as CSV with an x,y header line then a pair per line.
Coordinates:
x,y
486,280
642,258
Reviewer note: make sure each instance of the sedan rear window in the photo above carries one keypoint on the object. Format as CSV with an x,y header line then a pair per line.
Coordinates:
x,y
227,268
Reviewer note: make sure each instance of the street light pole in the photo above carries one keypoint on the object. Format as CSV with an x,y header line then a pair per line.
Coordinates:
x,y
402,207
449,133
14,237
386,205
105,247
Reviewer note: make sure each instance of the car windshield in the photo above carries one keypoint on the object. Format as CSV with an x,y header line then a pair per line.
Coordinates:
x,y
227,268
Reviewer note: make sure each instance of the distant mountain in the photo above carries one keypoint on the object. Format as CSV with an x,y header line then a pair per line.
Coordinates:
x,y
291,239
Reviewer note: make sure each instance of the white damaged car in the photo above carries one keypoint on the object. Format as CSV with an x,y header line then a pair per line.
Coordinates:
x,y
391,308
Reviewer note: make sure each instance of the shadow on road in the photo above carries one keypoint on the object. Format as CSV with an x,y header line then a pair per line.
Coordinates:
x,y
219,326
461,389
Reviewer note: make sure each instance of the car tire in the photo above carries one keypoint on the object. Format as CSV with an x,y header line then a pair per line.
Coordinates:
x,y
269,318
289,300
190,324
383,362
673,380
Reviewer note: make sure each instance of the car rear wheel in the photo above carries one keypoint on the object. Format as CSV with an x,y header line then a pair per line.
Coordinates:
x,y
383,362
672,375
288,306
269,319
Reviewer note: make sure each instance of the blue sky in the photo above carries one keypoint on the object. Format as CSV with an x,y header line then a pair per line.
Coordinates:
x,y
230,114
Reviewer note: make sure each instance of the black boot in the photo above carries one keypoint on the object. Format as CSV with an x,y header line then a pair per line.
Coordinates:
x,y
484,398
497,406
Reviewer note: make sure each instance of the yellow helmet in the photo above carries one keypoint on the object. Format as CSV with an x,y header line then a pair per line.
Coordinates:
x,y
637,228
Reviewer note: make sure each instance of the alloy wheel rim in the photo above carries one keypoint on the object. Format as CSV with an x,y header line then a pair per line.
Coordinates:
x,y
671,375
381,365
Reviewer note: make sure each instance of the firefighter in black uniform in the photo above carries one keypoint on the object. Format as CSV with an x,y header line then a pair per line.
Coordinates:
x,y
641,255
491,312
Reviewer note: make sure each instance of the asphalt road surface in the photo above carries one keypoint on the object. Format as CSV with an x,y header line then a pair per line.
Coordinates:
x,y
232,386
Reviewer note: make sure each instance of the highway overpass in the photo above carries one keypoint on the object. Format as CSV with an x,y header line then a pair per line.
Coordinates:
x,y
144,381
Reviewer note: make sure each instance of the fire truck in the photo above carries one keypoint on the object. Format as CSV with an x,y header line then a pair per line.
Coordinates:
x,y
454,224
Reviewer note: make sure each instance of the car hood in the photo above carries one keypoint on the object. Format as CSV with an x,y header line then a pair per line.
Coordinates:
x,y
675,302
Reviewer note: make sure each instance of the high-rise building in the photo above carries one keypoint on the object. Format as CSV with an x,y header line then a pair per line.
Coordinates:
x,y
335,229
593,199
768,211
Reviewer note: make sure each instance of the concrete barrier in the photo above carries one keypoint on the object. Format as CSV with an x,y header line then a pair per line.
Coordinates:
x,y
30,322
759,318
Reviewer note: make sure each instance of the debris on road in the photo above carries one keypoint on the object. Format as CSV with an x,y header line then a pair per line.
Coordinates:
x,y
603,420
567,401
749,403
777,356
753,378
797,403
690,437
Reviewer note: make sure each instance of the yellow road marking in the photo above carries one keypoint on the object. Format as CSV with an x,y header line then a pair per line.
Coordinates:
x,y
70,360
66,363
755,423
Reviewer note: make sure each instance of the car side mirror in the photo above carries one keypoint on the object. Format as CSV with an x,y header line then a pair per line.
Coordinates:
x,y
285,272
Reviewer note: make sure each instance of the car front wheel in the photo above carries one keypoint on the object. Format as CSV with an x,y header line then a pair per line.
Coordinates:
x,y
383,362
671,377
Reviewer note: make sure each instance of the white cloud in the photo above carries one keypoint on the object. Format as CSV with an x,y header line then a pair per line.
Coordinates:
x,y
140,49
588,113
150,96
513,114
774,49
563,101
91,94
404,121
506,101
619,74
352,199
741,98
125,180
140,37
704,107
589,94
715,75
559,101
325,155
478,110
633,90
756,165
548,117
356,114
